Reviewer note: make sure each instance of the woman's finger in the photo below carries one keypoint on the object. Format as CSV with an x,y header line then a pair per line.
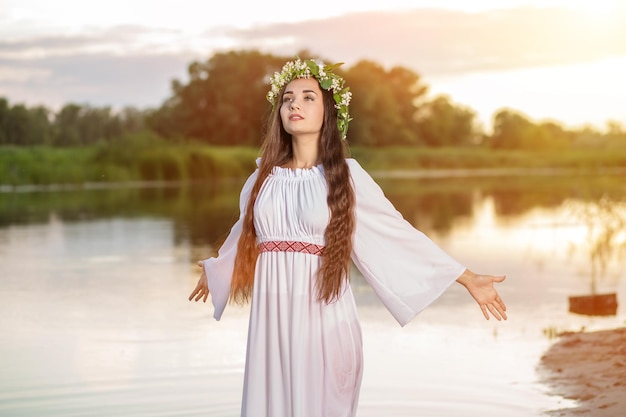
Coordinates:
x,y
494,312
484,310
501,309
501,304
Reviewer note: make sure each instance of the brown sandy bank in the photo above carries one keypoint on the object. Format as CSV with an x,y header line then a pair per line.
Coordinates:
x,y
589,368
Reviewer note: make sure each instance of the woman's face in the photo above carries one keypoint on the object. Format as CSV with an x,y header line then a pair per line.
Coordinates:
x,y
302,108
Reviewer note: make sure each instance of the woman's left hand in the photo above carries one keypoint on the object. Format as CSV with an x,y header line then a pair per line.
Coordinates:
x,y
481,288
202,288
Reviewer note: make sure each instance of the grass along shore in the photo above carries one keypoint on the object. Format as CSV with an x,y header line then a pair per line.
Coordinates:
x,y
151,160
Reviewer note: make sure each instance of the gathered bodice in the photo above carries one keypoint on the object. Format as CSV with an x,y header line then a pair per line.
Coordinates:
x,y
403,266
292,206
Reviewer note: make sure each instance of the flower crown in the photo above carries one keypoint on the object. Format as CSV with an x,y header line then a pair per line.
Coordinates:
x,y
328,81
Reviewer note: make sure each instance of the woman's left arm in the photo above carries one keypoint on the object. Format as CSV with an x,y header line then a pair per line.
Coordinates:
x,y
481,288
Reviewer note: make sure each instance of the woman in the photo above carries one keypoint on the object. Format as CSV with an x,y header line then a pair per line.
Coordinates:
x,y
306,212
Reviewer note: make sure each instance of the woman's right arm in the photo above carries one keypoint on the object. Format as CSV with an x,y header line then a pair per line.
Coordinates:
x,y
217,272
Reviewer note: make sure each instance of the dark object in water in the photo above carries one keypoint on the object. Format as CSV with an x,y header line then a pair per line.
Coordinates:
x,y
594,305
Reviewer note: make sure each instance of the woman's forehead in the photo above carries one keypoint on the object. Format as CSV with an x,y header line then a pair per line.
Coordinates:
x,y
300,84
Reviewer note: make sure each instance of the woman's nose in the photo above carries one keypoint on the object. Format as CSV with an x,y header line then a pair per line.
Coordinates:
x,y
294,105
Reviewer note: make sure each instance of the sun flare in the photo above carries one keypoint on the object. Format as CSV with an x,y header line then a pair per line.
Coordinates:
x,y
597,10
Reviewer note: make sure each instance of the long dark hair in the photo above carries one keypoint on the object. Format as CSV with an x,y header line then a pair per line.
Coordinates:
x,y
276,151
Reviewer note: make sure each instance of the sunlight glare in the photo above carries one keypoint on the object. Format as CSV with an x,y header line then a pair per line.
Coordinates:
x,y
597,10
565,98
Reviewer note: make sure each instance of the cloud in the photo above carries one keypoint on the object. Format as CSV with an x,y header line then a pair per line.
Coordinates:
x,y
442,42
97,79
123,39
133,64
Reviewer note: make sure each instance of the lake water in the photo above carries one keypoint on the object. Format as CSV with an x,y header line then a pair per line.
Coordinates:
x,y
95,319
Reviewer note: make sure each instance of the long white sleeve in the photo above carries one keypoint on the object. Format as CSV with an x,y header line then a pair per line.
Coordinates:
x,y
219,270
406,269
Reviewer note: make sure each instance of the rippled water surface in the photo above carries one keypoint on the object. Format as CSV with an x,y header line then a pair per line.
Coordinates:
x,y
95,319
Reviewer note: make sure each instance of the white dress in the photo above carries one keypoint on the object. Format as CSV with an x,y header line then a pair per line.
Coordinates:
x,y
304,357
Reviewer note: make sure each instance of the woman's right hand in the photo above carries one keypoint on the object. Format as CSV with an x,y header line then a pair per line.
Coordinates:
x,y
202,288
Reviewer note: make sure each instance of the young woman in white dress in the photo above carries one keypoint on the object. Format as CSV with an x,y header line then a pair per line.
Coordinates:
x,y
306,212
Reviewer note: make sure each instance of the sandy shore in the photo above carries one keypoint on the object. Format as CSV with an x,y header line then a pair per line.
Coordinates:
x,y
589,368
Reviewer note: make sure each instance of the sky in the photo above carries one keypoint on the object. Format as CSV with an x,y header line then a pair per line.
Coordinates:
x,y
552,60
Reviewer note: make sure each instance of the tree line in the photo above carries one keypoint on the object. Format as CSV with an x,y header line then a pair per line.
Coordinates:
x,y
73,125
223,103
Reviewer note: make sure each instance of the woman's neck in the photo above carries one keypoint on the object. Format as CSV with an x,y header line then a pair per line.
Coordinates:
x,y
305,153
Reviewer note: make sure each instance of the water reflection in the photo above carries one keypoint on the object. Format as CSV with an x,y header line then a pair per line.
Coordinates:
x,y
203,212
94,286
605,224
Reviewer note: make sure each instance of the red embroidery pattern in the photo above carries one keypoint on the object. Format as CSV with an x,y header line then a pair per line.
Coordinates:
x,y
290,246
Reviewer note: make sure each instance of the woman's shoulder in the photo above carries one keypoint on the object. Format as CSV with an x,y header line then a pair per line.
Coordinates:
x,y
359,174
352,162
354,165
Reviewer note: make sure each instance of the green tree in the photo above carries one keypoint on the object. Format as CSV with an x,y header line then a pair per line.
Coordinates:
x,y
18,125
4,120
132,119
23,126
40,126
98,124
441,123
223,102
79,125
66,125
511,130
384,104
551,135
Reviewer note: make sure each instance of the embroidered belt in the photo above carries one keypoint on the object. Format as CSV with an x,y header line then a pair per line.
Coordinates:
x,y
291,246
